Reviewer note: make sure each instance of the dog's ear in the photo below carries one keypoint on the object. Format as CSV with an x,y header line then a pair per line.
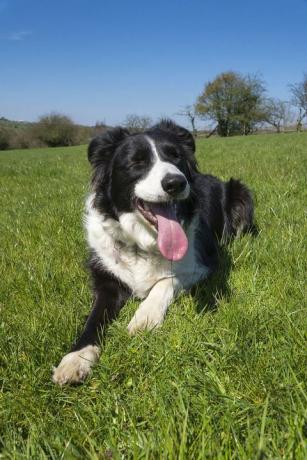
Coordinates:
x,y
183,135
102,147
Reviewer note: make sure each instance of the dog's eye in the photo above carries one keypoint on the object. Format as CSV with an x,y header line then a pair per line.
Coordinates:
x,y
139,159
171,151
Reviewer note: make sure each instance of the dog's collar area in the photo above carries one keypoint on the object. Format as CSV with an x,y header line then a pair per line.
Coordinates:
x,y
133,247
118,246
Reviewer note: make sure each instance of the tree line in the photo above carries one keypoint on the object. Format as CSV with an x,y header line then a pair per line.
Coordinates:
x,y
51,130
58,130
237,105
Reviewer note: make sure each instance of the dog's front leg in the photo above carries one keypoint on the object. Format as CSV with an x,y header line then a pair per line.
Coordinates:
x,y
110,296
152,310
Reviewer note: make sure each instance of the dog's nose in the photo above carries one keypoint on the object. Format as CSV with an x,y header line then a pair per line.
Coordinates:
x,y
173,184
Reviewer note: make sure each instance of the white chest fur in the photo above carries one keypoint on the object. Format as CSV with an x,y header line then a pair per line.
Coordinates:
x,y
128,249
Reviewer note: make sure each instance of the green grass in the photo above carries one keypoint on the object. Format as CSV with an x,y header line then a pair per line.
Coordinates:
x,y
222,383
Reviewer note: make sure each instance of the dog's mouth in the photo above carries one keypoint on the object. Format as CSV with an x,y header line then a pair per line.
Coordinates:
x,y
144,208
172,240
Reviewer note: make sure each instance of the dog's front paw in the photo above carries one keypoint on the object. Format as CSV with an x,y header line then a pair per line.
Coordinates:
x,y
145,319
76,366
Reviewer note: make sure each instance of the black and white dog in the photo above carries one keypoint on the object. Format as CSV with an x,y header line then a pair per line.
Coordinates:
x,y
153,224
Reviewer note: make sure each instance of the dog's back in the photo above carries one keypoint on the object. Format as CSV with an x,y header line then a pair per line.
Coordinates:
x,y
227,207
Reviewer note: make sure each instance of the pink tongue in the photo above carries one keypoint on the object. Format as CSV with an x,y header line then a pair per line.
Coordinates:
x,y
172,240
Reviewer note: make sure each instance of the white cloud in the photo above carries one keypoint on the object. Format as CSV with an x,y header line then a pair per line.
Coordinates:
x,y
19,35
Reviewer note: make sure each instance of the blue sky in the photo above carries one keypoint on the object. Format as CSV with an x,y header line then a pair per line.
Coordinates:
x,y
101,60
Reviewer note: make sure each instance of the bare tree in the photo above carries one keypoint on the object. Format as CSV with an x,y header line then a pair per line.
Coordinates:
x,y
100,127
189,112
299,100
137,123
278,113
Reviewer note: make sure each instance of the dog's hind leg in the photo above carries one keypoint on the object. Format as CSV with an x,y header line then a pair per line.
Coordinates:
x,y
110,296
152,310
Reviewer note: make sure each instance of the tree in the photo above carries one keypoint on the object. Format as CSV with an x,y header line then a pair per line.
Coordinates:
x,y
189,111
100,127
234,102
278,113
5,138
137,123
299,100
56,130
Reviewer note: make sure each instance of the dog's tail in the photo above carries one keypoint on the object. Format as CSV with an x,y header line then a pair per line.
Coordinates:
x,y
239,208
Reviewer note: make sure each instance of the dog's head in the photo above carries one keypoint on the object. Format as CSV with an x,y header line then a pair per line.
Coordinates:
x,y
145,181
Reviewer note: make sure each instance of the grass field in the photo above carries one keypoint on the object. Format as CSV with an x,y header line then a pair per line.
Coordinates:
x,y
225,375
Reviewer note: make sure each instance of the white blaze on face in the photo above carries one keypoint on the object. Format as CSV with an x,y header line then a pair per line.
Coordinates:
x,y
150,187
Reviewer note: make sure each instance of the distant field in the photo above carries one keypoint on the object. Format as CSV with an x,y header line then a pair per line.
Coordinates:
x,y
223,378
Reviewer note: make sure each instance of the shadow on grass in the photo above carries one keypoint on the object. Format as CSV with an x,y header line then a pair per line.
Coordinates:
x,y
208,293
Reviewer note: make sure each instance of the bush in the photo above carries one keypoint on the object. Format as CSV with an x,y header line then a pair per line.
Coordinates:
x,y
83,134
56,130
25,138
51,130
5,138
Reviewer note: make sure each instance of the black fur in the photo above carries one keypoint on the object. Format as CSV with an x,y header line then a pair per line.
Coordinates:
x,y
110,295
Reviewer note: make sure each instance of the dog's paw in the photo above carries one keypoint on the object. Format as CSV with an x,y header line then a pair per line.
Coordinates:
x,y
76,366
145,319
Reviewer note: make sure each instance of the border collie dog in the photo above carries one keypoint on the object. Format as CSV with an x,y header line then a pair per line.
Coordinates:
x,y
153,225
